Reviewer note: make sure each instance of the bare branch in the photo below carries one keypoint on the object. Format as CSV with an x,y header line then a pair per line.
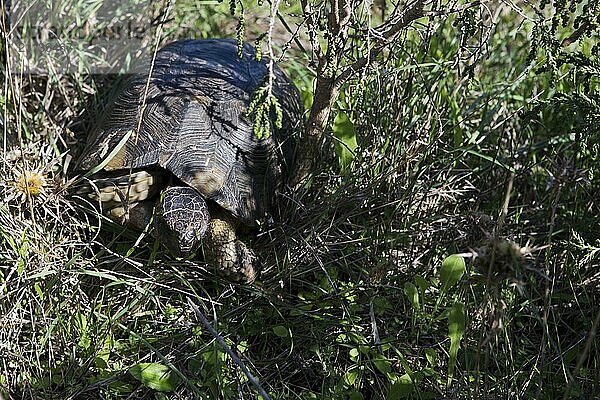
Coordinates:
x,y
383,34
219,339
328,85
312,32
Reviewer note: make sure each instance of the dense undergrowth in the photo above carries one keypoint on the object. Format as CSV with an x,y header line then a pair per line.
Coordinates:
x,y
443,146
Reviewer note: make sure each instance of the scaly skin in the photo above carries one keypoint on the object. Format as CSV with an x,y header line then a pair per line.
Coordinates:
x,y
181,221
225,251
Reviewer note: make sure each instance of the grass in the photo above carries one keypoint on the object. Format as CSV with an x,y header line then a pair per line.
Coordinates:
x,y
359,297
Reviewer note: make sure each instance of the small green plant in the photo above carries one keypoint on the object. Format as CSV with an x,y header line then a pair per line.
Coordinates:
x,y
265,111
155,376
345,135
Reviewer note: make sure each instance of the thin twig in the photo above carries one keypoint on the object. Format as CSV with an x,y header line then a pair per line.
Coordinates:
x,y
158,36
272,17
583,355
235,358
383,33
504,211
375,331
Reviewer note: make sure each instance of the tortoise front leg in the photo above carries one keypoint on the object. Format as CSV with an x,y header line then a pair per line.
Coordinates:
x,y
225,251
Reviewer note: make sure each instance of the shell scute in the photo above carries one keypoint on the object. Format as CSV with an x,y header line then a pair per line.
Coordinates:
x,y
192,123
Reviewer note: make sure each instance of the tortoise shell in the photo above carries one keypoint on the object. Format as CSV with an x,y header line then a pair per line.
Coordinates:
x,y
190,119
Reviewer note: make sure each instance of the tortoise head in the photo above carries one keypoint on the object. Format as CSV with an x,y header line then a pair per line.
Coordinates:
x,y
181,219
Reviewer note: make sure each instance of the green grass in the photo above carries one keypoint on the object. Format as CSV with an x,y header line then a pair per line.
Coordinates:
x,y
482,156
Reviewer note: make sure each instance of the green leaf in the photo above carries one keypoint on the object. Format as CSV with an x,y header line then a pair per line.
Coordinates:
x,y
355,395
431,356
242,346
155,376
401,389
101,360
111,155
103,354
453,268
23,251
354,354
38,290
345,133
412,293
422,283
351,376
281,331
80,322
382,364
456,330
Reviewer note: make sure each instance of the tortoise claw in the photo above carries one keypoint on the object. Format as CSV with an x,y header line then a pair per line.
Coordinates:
x,y
231,257
247,264
235,261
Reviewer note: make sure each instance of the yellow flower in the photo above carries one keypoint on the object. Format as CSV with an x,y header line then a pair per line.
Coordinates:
x,y
30,183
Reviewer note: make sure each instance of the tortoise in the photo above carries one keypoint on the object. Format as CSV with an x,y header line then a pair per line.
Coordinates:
x,y
178,151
